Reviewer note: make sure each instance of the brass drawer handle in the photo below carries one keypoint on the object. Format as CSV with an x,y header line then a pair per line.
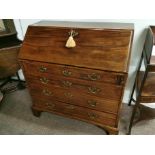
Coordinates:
x,y
66,73
42,69
71,107
92,103
94,90
94,76
44,80
67,84
68,95
47,92
50,105
92,116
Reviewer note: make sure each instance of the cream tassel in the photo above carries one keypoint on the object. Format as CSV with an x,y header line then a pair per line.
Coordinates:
x,y
70,42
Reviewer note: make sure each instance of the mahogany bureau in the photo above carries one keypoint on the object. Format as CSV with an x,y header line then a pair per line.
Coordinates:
x,y
78,69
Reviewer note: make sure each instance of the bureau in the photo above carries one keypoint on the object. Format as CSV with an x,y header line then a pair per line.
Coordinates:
x,y
78,69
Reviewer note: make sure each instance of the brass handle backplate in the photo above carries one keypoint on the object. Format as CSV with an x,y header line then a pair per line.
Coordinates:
x,y
66,73
94,76
47,92
71,107
67,84
42,69
44,80
92,103
68,95
94,90
92,116
50,105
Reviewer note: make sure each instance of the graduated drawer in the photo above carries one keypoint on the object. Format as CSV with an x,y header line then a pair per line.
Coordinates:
x,y
75,97
102,90
50,70
75,111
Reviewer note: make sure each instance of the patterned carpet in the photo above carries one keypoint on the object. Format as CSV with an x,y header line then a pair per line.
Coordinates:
x,y
16,119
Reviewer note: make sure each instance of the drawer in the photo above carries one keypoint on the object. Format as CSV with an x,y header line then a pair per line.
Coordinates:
x,y
95,48
75,111
103,90
75,97
53,70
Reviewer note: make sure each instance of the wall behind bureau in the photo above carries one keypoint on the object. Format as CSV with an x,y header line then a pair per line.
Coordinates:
x,y
139,36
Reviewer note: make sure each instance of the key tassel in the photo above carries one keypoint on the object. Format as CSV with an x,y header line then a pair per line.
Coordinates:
x,y
70,42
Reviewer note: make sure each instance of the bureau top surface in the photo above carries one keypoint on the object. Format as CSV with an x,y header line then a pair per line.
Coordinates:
x,y
75,24
103,46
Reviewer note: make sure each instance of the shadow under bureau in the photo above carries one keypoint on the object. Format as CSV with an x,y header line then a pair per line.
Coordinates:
x,y
78,69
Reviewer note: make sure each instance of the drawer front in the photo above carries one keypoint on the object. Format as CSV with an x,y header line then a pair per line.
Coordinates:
x,y
106,91
50,70
95,48
75,97
75,111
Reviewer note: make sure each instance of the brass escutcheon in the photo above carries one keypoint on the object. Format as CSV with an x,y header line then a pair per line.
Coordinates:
x,y
73,33
92,103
